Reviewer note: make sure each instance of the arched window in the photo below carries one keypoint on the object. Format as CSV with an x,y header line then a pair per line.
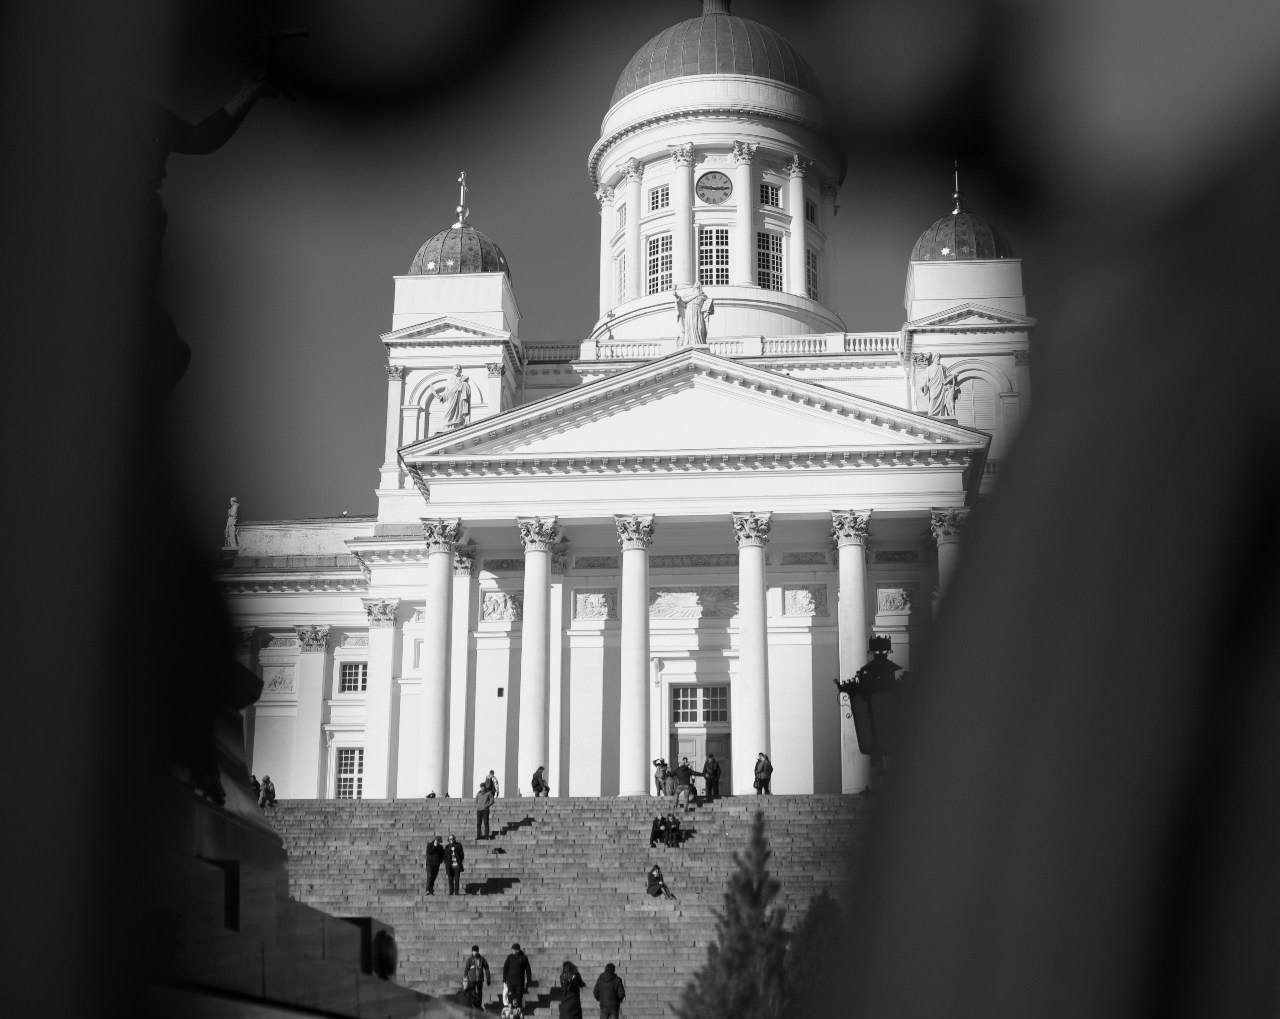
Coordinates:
x,y
976,405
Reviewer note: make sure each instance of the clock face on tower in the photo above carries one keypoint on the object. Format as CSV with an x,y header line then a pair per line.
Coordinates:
x,y
714,188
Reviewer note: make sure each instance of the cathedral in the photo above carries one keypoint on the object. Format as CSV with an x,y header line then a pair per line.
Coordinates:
x,y
666,539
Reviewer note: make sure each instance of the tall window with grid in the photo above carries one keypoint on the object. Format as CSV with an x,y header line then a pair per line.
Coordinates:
x,y
811,273
769,261
684,704
620,278
659,197
699,704
622,217
353,677
349,773
771,194
658,269
810,212
713,256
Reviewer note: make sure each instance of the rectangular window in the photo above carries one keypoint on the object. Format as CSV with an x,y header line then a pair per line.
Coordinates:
x,y
770,195
769,261
713,256
658,274
810,212
622,217
811,273
715,704
349,773
353,677
659,197
684,704
620,278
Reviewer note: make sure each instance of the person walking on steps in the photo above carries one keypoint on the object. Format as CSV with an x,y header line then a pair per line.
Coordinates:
x,y
453,857
610,992
435,860
764,775
516,978
659,775
484,800
539,783
685,792
711,772
267,798
475,974
571,983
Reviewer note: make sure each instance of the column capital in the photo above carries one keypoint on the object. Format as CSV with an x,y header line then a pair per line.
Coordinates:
x,y
464,563
634,169
496,369
634,531
381,612
312,639
744,152
442,535
560,558
682,155
850,527
538,534
604,195
798,166
751,529
395,372
948,525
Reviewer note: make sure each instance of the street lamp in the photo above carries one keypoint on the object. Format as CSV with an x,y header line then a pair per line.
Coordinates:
x,y
874,697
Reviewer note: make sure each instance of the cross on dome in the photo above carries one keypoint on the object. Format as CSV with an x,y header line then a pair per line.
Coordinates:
x,y
463,211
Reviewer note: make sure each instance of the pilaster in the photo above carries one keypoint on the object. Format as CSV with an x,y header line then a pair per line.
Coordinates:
x,y
607,220
381,720
462,674
634,174
308,735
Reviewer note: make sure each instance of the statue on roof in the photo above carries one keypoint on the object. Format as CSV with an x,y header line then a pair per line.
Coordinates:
x,y
229,532
692,313
456,398
939,388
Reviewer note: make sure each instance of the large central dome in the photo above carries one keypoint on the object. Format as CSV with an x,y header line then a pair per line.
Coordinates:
x,y
716,43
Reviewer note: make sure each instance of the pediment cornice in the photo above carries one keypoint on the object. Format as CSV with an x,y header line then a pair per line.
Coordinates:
x,y
459,330
971,317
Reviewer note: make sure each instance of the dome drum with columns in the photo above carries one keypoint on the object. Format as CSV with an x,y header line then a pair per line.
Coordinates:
x,y
665,537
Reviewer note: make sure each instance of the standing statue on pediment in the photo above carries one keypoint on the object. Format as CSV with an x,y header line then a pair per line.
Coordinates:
x,y
939,388
456,398
229,532
692,313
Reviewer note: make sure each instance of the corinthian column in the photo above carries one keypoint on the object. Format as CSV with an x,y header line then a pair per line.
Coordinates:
x,y
432,751
796,169
682,208
849,528
635,266
741,261
635,535
538,535
605,197
947,526
379,732
828,224
395,397
750,707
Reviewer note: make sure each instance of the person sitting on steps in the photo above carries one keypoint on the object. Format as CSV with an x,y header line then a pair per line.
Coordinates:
x,y
655,885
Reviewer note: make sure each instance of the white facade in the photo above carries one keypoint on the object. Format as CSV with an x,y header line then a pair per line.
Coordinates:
x,y
634,548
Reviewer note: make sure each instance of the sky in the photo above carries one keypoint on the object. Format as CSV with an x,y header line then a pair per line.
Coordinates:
x,y
282,246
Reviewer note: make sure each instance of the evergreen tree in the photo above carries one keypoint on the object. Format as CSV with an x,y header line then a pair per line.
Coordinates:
x,y
744,974
814,954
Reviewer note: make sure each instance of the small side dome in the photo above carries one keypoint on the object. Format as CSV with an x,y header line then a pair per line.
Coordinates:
x,y
961,236
459,249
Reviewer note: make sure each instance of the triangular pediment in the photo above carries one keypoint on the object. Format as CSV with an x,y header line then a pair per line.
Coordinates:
x,y
445,327
973,314
695,402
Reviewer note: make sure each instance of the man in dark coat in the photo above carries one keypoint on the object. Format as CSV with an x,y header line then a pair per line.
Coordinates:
x,y
453,856
516,975
685,792
610,992
658,831
435,859
764,775
660,775
539,783
475,974
484,800
711,772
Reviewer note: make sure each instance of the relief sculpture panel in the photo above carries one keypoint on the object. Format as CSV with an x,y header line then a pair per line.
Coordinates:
x,y
595,604
693,602
277,679
499,606
804,600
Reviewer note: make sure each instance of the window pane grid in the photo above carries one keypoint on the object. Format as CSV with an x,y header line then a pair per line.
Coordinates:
x,y
810,212
354,677
770,194
769,261
684,704
713,256
350,773
715,705
622,217
811,273
658,277
659,197
620,277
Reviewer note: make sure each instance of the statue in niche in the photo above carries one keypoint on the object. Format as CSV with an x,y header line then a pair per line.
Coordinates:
x,y
939,388
456,398
692,313
229,532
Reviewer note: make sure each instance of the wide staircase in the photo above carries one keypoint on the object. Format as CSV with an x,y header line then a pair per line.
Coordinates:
x,y
564,878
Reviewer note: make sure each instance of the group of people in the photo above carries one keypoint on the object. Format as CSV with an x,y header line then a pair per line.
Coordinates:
x,y
517,978
264,792
666,831
679,782
448,855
